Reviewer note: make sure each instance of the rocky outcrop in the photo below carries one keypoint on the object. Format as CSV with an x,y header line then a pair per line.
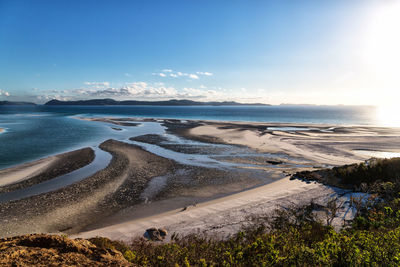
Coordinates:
x,y
155,234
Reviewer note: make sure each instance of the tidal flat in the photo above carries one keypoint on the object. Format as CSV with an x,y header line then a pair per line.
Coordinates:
x,y
184,175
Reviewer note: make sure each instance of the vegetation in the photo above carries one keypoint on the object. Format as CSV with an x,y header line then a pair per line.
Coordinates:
x,y
295,236
362,176
369,172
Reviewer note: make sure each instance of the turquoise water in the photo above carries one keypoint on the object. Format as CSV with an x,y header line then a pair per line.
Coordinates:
x,y
36,132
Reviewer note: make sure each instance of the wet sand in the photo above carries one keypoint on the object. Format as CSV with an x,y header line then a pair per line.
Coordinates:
x,y
319,145
112,121
28,174
139,189
73,207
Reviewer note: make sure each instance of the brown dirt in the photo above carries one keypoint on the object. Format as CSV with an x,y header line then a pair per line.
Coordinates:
x,y
52,250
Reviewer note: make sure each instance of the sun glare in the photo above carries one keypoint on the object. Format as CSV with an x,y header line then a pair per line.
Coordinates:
x,y
382,60
389,116
383,40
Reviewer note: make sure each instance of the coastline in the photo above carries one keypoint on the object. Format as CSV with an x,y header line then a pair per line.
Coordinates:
x,y
79,204
224,216
325,144
211,200
221,216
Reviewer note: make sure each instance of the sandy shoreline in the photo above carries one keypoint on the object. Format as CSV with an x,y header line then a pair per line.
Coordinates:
x,y
116,192
79,204
222,216
31,173
320,144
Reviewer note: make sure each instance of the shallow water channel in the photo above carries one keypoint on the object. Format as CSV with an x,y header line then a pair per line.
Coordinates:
x,y
216,159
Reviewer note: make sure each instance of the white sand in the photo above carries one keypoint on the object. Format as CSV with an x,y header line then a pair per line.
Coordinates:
x,y
24,171
227,215
222,216
318,147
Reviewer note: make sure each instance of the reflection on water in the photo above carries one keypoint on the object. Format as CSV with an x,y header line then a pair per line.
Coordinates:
x,y
388,115
378,154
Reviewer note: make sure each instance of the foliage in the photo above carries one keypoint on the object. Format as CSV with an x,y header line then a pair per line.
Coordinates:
x,y
294,236
360,176
369,172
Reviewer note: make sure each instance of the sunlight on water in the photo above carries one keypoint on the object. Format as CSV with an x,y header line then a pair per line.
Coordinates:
x,y
378,154
388,116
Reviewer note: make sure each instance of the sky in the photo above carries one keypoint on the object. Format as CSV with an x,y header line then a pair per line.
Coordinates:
x,y
299,52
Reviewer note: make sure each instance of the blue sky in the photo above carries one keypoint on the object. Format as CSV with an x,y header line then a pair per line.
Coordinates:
x,y
250,51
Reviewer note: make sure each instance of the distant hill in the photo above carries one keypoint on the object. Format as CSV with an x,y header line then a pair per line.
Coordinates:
x,y
172,102
10,103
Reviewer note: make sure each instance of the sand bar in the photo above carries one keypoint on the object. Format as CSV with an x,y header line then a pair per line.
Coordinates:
x,y
115,191
32,173
320,144
336,146
25,171
74,206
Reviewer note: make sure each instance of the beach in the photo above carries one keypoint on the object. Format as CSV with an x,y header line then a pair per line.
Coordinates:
x,y
193,176
31,173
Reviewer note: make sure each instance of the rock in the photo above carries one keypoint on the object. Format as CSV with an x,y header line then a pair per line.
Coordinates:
x,y
185,208
155,234
274,162
163,233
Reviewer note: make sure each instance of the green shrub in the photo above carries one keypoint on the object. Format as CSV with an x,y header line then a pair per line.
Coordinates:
x,y
293,236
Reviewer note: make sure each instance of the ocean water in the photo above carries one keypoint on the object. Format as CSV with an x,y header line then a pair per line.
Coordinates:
x,y
33,132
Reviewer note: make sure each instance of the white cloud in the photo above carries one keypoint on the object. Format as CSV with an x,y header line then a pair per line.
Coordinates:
x,y
97,84
193,76
136,89
204,73
127,75
176,74
51,97
2,92
142,90
196,93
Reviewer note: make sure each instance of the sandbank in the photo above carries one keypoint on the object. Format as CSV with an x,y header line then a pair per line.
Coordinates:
x,y
320,144
74,206
199,199
31,173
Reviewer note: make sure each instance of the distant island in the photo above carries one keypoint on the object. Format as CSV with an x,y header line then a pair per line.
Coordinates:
x,y
10,103
172,102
